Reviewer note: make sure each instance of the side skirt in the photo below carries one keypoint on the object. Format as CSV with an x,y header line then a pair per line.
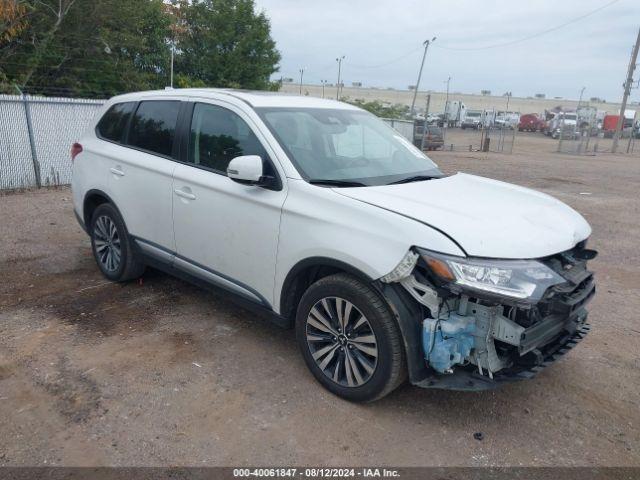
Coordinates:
x,y
160,259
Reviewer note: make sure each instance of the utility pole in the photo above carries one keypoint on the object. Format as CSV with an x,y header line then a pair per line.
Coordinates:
x,y
627,91
301,75
446,104
425,127
339,60
424,55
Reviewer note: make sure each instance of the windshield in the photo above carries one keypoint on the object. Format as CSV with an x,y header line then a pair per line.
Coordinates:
x,y
346,145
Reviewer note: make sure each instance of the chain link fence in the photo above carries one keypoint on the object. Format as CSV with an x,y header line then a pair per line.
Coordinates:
x,y
403,127
36,134
494,138
584,135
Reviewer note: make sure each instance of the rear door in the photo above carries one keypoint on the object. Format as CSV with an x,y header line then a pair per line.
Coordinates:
x,y
141,176
226,233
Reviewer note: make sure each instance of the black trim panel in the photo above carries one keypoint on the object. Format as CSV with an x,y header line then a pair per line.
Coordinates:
x,y
240,300
242,286
315,262
80,222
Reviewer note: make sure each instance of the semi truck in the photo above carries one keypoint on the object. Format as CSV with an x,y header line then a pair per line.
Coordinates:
x,y
472,119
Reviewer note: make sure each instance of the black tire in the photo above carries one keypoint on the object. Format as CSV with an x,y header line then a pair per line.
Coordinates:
x,y
128,267
390,365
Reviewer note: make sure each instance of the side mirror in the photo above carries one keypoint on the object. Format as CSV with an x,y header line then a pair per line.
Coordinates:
x,y
246,169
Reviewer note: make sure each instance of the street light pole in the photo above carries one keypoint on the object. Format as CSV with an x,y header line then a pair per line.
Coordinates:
x,y
424,56
580,99
301,75
339,60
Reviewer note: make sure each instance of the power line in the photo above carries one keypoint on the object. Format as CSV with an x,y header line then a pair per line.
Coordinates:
x,y
534,35
389,62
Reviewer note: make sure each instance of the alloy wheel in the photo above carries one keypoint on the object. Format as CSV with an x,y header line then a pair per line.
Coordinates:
x,y
342,342
106,241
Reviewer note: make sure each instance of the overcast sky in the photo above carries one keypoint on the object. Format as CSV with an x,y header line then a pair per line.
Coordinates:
x,y
593,52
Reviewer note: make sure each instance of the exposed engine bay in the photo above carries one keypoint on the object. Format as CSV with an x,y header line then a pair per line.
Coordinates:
x,y
489,333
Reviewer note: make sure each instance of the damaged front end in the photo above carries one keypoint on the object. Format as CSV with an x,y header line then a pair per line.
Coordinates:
x,y
486,321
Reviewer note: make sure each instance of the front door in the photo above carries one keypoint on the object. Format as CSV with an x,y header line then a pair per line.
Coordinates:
x,y
225,232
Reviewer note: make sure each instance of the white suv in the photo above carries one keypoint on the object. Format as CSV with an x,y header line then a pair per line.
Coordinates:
x,y
320,215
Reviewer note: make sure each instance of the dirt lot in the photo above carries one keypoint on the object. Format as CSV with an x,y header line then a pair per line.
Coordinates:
x,y
162,373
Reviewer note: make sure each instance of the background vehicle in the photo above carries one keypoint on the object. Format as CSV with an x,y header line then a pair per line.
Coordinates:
x,y
454,113
472,119
319,216
433,118
530,122
506,119
433,137
610,123
565,123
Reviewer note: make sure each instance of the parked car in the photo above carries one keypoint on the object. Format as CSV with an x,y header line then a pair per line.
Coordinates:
x,y
610,123
472,119
433,118
530,122
319,216
433,138
564,123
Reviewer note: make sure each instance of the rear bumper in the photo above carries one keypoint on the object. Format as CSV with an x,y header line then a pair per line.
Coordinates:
x,y
464,379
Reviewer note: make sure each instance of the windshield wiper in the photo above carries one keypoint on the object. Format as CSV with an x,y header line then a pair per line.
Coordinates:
x,y
415,178
336,183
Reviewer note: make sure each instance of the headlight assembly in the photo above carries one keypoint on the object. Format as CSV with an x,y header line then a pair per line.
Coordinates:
x,y
518,279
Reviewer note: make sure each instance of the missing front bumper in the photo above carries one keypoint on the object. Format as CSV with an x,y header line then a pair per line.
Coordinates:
x,y
466,379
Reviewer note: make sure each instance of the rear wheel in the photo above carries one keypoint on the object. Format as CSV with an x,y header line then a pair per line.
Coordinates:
x,y
112,247
349,339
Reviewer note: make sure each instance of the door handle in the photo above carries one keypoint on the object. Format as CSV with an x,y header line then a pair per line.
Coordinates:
x,y
184,193
117,171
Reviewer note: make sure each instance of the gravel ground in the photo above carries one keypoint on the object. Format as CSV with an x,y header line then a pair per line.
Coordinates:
x,y
158,372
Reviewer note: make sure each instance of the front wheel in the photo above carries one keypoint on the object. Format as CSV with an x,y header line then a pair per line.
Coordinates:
x,y
349,339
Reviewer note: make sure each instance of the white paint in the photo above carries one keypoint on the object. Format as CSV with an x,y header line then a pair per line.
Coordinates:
x,y
255,236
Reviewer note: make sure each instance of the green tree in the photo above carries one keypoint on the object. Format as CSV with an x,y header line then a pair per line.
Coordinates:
x,y
86,47
106,47
379,109
224,43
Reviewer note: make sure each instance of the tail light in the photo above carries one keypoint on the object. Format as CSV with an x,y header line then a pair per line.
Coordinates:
x,y
76,149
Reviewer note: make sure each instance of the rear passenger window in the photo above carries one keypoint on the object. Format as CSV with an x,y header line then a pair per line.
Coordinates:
x,y
153,126
218,135
113,123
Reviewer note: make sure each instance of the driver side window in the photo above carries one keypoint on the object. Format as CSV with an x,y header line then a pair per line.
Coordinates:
x,y
218,135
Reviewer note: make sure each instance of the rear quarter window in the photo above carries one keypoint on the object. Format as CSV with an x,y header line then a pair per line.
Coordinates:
x,y
113,123
153,127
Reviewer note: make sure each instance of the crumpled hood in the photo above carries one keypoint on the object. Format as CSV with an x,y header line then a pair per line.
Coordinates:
x,y
487,218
